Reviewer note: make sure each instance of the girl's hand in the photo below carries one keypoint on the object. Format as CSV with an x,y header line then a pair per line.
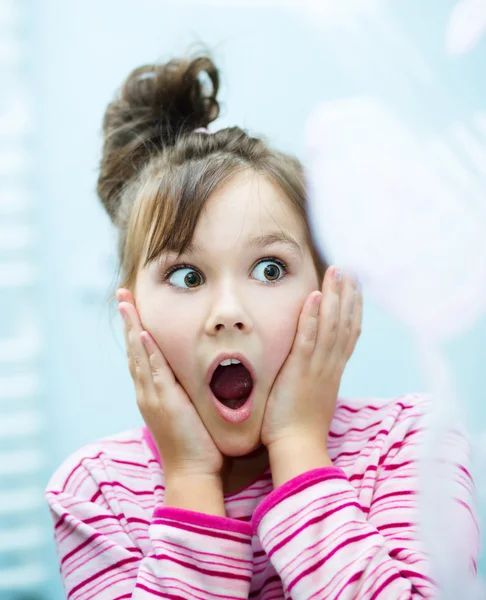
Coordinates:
x,y
303,398
185,446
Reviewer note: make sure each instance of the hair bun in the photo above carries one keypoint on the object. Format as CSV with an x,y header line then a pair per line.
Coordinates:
x,y
156,104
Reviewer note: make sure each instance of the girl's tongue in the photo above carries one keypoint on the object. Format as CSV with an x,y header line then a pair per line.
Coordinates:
x,y
232,385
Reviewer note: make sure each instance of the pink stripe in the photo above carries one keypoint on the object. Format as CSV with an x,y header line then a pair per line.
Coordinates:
x,y
127,462
355,577
395,526
89,556
408,573
221,559
222,574
324,559
153,581
293,487
205,532
102,518
81,464
165,595
190,517
257,593
357,410
103,484
303,515
354,430
170,545
358,476
80,547
117,565
393,495
385,584
317,519
129,576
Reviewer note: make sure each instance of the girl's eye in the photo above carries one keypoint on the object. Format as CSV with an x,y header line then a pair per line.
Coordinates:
x,y
183,277
271,270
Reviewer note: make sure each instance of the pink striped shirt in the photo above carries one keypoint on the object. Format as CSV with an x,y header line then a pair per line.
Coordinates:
x,y
342,532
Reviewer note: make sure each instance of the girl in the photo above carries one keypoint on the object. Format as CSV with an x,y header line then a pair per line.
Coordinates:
x,y
251,478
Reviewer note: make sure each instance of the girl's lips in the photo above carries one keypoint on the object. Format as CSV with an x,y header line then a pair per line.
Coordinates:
x,y
234,416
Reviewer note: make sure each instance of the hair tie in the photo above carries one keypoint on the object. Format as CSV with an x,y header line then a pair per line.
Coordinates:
x,y
202,130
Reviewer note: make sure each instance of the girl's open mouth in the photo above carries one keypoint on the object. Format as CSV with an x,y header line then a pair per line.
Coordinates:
x,y
231,388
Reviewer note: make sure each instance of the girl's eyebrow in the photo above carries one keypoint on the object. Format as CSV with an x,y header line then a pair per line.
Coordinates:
x,y
259,241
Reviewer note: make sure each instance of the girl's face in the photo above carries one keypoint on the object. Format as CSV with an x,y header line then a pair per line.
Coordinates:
x,y
231,295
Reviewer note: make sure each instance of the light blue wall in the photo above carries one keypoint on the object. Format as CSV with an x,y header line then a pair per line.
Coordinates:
x,y
274,70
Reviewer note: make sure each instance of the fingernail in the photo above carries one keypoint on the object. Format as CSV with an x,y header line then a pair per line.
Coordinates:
x,y
338,274
123,313
318,299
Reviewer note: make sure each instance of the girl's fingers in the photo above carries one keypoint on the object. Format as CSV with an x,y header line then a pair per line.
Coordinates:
x,y
328,315
138,363
162,374
125,295
355,326
307,327
148,367
346,310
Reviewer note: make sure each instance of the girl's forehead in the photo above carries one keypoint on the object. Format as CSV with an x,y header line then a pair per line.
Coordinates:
x,y
254,242
247,205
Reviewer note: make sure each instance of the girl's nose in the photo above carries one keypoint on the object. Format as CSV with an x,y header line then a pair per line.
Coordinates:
x,y
228,314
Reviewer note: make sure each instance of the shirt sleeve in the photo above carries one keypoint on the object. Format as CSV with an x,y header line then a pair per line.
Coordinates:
x,y
192,555
325,544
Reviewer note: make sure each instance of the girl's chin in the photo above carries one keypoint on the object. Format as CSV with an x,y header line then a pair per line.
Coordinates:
x,y
245,449
245,454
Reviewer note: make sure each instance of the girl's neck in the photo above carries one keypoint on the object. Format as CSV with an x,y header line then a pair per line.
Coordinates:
x,y
240,471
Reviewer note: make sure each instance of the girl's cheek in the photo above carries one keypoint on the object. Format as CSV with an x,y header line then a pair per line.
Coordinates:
x,y
171,331
280,333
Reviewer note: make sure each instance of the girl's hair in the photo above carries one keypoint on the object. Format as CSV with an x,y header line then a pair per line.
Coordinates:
x,y
156,173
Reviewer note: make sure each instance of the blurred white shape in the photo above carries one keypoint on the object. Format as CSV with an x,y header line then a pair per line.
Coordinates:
x,y
24,385
480,119
458,173
467,24
17,274
19,462
449,534
23,500
472,145
383,208
385,205
22,538
15,236
26,576
20,424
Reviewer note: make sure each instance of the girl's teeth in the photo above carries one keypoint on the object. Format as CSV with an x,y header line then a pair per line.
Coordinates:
x,y
229,361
